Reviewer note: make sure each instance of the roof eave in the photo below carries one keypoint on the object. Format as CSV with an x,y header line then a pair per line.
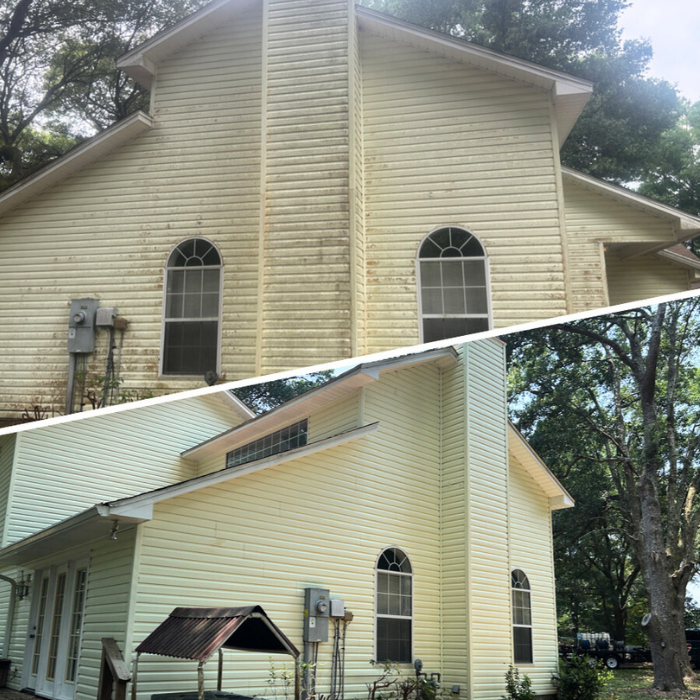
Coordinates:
x,y
76,159
302,405
141,62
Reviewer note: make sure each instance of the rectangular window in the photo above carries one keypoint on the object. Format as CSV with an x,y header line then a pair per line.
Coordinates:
x,y
283,440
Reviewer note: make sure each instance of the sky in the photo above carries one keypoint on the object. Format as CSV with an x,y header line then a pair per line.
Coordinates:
x,y
674,29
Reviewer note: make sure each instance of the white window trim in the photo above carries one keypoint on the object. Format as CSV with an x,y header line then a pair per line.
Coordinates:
x,y
419,285
531,626
393,617
187,377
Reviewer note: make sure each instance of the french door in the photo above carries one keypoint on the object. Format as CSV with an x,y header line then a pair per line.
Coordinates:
x,y
53,646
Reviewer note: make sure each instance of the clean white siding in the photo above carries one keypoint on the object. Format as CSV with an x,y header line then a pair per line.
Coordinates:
x,y
106,606
106,232
56,476
449,144
317,521
530,534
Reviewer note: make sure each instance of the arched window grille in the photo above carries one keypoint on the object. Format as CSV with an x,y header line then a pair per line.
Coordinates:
x,y
394,619
192,310
522,618
454,289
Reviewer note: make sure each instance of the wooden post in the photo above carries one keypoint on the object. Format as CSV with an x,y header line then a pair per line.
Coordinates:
x,y
220,676
114,674
200,680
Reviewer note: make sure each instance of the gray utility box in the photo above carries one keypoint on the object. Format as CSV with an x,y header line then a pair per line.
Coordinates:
x,y
317,603
81,325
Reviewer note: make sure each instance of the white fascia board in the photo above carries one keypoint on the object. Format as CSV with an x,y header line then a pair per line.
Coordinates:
x,y
141,62
76,159
301,406
685,225
134,504
235,404
519,447
569,93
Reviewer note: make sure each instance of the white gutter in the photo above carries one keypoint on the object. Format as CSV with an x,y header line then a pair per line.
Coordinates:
x,y
10,616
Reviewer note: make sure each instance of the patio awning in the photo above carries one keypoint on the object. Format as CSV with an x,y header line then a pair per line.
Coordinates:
x,y
196,633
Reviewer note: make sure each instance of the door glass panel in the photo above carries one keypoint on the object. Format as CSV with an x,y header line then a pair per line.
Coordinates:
x,y
76,624
56,626
40,625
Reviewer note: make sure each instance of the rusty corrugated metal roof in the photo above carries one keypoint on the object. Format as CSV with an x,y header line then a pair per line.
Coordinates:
x,y
196,633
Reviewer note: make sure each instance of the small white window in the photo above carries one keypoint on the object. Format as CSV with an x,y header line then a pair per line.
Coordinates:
x,y
192,310
522,618
394,621
454,286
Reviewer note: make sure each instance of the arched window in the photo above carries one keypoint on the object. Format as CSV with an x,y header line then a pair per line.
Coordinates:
x,y
454,294
192,311
394,628
522,618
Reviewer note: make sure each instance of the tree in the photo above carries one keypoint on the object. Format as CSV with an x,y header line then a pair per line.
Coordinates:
x,y
629,382
267,395
673,176
58,77
615,138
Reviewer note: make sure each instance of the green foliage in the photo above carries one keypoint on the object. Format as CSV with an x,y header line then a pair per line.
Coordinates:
x,y
517,688
673,176
579,679
265,396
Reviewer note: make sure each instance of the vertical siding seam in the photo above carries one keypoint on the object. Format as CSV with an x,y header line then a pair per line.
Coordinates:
x,y
263,190
467,516
11,488
561,208
352,217
441,468
604,273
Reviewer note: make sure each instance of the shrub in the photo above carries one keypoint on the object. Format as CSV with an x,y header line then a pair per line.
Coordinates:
x,y
517,689
580,679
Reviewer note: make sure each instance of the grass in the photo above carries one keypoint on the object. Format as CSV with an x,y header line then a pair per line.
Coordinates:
x,y
635,684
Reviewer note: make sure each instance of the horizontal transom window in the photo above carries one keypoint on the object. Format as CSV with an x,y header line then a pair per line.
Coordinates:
x,y
283,440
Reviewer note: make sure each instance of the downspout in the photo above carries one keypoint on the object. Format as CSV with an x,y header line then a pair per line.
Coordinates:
x,y
10,615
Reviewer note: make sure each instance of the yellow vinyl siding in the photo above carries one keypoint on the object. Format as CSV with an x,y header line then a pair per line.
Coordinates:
x,y
487,517
106,232
593,220
531,551
106,605
129,452
643,277
306,304
7,457
317,521
446,143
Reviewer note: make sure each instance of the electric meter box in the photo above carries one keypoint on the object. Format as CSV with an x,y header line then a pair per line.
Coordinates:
x,y
317,604
81,325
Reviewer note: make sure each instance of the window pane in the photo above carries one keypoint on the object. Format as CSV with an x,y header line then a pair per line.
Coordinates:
x,y
211,280
432,301
174,306
430,274
458,237
522,645
442,328
210,305
454,301
476,301
472,249
393,640
452,273
382,604
193,281
190,347
176,281
474,273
